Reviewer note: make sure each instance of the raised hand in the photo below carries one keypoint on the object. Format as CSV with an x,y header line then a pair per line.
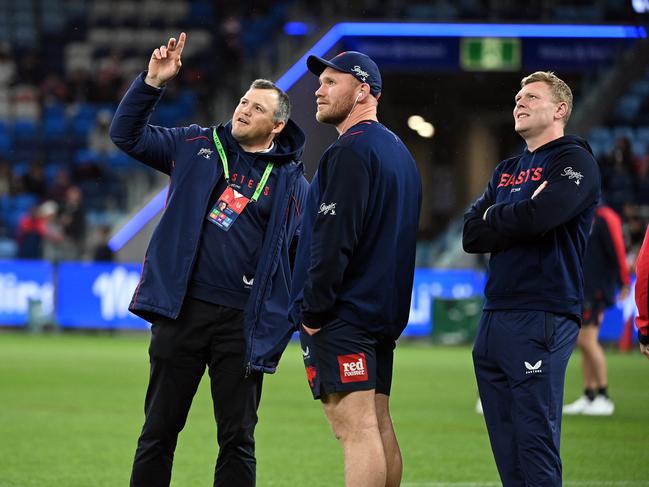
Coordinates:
x,y
165,62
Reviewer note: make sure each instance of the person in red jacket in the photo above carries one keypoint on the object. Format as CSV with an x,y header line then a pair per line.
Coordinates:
x,y
605,272
642,296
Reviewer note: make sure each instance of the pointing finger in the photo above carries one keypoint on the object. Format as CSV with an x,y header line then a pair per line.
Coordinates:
x,y
171,45
181,43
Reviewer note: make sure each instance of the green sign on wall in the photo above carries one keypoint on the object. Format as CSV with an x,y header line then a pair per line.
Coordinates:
x,y
490,54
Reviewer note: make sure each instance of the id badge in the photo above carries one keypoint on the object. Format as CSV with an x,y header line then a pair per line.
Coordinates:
x,y
227,209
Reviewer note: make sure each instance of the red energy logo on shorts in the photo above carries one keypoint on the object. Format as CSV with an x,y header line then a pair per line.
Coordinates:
x,y
310,374
353,367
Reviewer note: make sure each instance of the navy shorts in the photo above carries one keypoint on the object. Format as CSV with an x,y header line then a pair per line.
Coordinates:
x,y
344,358
592,310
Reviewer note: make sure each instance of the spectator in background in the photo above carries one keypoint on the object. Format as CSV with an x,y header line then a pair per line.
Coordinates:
x,y
60,186
605,271
642,181
34,180
98,138
7,65
79,85
53,88
72,219
30,235
30,67
618,182
103,252
53,237
38,235
6,179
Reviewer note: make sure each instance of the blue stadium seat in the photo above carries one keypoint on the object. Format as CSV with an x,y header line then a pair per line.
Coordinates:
x,y
25,129
83,119
628,107
5,139
53,128
87,156
119,160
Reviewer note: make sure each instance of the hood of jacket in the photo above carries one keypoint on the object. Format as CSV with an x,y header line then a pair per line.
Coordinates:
x,y
563,142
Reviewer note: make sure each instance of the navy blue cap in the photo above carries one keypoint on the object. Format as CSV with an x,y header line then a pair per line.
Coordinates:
x,y
359,65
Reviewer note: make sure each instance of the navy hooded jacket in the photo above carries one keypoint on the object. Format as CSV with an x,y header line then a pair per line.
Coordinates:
x,y
537,245
170,257
356,256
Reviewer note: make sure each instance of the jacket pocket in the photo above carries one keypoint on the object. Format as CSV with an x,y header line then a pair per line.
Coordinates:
x,y
549,329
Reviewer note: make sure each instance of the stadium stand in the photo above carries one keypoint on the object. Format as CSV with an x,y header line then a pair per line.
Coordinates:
x,y
65,63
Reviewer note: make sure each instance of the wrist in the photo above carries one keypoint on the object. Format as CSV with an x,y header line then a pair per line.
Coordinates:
x,y
643,337
153,81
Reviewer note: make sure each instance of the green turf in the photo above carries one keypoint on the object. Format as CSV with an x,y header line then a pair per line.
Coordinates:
x,y
71,410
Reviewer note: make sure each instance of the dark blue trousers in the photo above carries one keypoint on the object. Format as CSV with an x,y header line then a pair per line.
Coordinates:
x,y
520,359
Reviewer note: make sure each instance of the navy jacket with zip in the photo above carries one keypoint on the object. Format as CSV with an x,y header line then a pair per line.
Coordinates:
x,y
172,250
537,245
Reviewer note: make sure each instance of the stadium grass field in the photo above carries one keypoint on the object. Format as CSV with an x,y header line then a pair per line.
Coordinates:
x,y
71,410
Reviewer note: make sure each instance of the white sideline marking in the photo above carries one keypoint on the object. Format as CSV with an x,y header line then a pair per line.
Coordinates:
x,y
574,483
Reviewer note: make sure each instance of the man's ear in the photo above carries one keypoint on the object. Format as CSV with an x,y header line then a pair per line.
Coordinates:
x,y
278,127
562,110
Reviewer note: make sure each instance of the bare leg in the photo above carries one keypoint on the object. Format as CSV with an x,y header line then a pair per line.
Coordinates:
x,y
354,422
584,342
393,458
598,376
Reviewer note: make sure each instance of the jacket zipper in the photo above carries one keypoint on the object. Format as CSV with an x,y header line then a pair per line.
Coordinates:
x,y
267,276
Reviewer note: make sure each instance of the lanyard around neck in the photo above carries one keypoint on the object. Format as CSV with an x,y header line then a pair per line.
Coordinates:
x,y
226,171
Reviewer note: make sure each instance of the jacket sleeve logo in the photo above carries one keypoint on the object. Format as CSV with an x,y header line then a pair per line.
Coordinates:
x,y
327,209
206,153
570,173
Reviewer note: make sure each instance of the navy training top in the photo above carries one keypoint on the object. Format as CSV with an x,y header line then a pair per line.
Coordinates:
x,y
356,254
226,262
537,244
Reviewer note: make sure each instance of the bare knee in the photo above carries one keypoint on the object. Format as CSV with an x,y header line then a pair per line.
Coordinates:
x,y
587,339
350,416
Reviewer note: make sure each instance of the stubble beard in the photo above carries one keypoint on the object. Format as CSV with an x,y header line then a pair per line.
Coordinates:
x,y
336,115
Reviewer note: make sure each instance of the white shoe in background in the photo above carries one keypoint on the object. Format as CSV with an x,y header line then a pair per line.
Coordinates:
x,y
578,406
600,406
478,407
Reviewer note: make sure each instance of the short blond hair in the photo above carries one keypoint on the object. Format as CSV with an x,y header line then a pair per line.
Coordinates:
x,y
561,92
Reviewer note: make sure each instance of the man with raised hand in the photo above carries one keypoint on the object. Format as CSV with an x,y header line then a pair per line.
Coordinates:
x,y
216,275
354,267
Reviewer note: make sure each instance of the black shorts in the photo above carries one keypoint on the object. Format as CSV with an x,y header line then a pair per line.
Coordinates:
x,y
592,310
344,358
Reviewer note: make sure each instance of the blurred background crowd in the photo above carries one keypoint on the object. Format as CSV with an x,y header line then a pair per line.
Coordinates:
x,y
64,65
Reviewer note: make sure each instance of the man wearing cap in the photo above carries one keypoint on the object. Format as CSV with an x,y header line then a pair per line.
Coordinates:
x,y
354,267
